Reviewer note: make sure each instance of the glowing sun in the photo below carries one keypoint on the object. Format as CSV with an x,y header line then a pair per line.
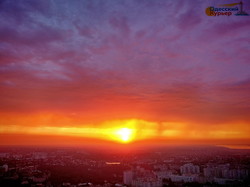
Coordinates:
x,y
125,135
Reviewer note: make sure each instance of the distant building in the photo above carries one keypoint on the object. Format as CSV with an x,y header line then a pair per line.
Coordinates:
x,y
6,167
189,169
141,177
127,177
179,178
163,174
147,182
39,155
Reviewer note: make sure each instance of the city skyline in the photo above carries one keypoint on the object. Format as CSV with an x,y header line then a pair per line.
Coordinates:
x,y
87,72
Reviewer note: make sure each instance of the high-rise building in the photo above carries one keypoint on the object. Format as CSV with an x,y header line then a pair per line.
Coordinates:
x,y
190,169
127,177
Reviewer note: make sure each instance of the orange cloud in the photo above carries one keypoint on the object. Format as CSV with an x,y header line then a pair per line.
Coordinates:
x,y
110,130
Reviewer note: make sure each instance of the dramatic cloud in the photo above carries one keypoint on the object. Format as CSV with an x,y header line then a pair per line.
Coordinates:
x,y
80,64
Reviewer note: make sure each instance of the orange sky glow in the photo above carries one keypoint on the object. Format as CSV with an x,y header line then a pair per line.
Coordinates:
x,y
56,129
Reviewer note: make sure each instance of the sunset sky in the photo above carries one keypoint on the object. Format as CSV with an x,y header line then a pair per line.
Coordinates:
x,y
159,71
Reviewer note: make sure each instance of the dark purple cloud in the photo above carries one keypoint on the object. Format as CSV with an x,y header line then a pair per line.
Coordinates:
x,y
168,58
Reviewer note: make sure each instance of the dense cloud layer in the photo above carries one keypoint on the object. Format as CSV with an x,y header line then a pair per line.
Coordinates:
x,y
94,61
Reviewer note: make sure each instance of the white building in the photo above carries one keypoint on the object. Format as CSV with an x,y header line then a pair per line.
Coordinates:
x,y
6,167
147,182
190,169
127,177
163,174
179,178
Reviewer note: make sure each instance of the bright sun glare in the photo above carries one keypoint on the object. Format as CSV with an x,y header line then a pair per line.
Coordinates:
x,y
125,134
